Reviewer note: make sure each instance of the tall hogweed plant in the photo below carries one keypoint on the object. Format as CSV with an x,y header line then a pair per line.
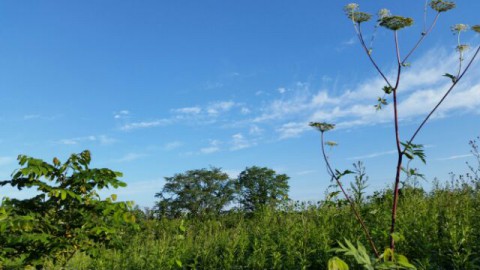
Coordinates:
x,y
406,150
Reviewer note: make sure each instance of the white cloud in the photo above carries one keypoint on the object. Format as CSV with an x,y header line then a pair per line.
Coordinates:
x,y
240,142
218,107
188,110
212,148
173,145
422,86
292,129
455,157
373,155
121,114
255,130
245,110
102,139
129,157
306,172
145,124
281,90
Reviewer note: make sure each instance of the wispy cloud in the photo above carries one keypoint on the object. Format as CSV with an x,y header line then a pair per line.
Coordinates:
x,y
188,110
123,114
373,155
305,172
197,115
212,148
455,157
421,88
219,107
102,139
129,157
173,145
240,142
145,124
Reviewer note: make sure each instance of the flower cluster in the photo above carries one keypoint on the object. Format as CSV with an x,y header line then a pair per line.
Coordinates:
x,y
441,5
323,126
460,27
395,22
356,16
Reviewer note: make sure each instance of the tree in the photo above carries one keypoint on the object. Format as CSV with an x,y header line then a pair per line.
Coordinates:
x,y
259,187
67,216
196,193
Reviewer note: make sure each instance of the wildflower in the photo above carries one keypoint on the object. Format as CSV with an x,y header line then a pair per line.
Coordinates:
x,y
352,13
382,13
395,22
460,27
322,127
441,5
351,7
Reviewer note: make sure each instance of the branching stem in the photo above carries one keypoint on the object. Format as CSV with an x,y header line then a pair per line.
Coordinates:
x,y
349,199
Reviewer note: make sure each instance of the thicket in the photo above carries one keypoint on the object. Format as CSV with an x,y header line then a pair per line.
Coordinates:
x,y
439,230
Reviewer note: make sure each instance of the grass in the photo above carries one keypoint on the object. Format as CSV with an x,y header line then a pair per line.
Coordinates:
x,y
440,228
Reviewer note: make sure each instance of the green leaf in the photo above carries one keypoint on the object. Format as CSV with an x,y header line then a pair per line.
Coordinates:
x,y
387,89
476,28
336,263
453,78
63,194
408,155
397,237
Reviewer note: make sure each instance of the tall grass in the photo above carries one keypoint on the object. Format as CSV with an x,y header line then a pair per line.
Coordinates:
x,y
440,228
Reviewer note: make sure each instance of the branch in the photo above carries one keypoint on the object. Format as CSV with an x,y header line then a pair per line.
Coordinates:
x,y
369,54
424,34
350,201
443,98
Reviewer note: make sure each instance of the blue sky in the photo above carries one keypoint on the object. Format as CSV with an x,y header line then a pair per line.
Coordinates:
x,y
155,88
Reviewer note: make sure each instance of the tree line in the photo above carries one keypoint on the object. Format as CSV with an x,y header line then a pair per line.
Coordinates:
x,y
209,192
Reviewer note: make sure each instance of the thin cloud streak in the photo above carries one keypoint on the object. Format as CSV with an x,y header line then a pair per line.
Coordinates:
x,y
455,157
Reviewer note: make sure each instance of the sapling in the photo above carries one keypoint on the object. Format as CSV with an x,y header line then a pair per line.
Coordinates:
x,y
406,150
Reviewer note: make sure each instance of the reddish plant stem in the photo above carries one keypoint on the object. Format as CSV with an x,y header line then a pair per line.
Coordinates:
x,y
443,98
397,140
424,34
350,201
369,54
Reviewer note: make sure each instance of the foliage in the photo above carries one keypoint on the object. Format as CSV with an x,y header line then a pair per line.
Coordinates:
x,y
67,215
201,192
388,260
438,228
258,187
